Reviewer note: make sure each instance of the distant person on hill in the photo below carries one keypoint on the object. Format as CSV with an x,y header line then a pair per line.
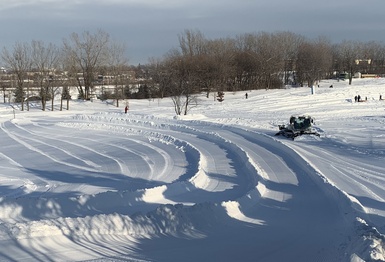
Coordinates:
x,y
359,98
126,109
355,98
380,97
246,95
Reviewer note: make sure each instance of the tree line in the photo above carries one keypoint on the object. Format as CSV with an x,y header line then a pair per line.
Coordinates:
x,y
249,61
256,61
51,70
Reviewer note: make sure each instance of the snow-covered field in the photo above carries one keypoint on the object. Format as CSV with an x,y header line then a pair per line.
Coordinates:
x,y
95,184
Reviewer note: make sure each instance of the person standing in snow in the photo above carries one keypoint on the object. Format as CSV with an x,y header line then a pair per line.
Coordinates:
x,y
246,95
126,109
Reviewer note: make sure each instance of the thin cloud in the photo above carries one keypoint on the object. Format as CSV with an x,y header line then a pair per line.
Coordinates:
x,y
151,27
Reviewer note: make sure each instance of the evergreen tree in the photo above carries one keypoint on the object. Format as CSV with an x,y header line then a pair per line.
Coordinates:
x,y
19,94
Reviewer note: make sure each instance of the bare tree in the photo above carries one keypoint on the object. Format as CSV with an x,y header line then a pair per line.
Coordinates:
x,y
54,90
348,53
186,69
4,84
246,62
85,54
207,73
380,60
65,95
290,44
192,43
117,67
259,61
160,73
45,60
373,58
221,73
271,55
325,56
182,89
19,62
314,61
307,65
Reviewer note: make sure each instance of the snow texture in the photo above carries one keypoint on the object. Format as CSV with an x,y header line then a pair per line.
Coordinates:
x,y
96,184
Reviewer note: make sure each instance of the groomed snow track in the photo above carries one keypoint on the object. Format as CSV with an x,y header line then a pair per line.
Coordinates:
x,y
115,187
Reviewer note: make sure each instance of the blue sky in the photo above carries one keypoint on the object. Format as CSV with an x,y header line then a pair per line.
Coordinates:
x,y
150,28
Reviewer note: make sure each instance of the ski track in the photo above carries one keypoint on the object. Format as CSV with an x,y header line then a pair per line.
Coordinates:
x,y
358,178
237,177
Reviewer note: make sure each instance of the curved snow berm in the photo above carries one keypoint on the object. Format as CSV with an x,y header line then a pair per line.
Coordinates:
x,y
116,187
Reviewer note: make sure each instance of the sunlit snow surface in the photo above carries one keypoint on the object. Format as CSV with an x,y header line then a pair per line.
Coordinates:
x,y
93,183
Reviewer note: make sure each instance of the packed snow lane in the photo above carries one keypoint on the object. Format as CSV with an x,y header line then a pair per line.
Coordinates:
x,y
359,176
254,195
290,214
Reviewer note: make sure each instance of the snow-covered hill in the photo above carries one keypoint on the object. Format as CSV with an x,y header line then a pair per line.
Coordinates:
x,y
93,183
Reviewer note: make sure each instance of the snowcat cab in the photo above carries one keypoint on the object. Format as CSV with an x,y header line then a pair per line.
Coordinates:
x,y
299,125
